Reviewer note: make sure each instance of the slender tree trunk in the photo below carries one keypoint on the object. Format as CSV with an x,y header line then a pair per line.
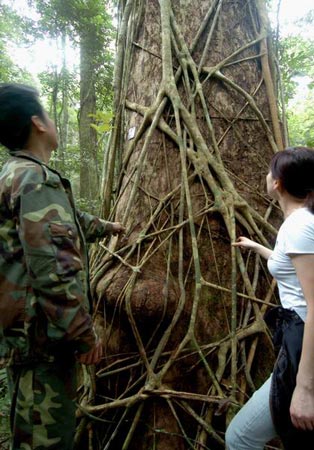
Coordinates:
x,y
64,110
180,310
89,176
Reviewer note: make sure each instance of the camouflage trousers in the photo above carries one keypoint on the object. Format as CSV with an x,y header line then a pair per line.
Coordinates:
x,y
43,406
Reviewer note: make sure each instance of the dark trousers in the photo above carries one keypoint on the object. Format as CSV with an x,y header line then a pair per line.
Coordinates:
x,y
287,328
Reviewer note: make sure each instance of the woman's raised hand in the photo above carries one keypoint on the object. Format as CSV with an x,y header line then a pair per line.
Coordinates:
x,y
244,242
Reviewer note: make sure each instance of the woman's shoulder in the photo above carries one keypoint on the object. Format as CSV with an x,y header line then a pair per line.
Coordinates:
x,y
300,217
297,223
297,231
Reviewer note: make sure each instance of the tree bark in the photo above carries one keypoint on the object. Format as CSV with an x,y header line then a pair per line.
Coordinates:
x,y
63,119
179,309
89,173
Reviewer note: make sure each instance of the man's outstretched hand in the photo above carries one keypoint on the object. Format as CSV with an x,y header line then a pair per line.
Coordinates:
x,y
93,356
117,228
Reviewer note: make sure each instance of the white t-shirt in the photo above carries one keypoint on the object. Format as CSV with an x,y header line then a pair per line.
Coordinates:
x,y
295,236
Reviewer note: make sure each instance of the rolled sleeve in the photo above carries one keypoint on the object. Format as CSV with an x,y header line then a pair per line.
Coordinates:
x,y
93,227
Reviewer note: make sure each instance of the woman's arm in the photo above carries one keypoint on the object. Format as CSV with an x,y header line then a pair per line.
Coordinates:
x,y
302,403
244,242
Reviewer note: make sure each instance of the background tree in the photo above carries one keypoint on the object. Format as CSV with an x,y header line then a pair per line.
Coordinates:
x,y
94,32
86,24
179,308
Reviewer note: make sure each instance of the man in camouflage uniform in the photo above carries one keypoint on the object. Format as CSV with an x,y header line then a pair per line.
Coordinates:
x,y
45,303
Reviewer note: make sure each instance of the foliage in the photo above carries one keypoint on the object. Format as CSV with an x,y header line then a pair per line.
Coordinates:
x,y
296,59
51,81
301,121
10,23
102,121
296,65
3,155
74,18
4,410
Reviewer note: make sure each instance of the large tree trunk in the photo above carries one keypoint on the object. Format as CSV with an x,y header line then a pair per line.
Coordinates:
x,y
181,309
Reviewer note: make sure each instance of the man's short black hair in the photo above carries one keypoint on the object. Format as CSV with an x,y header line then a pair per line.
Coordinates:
x,y
18,103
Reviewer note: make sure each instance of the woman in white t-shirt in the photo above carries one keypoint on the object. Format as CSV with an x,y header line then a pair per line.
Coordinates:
x,y
290,181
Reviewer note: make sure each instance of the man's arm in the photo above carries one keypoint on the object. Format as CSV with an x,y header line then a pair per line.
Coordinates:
x,y
93,227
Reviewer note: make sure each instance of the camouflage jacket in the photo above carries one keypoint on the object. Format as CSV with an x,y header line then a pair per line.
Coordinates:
x,y
44,291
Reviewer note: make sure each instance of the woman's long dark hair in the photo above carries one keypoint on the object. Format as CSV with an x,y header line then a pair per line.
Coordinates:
x,y
294,168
